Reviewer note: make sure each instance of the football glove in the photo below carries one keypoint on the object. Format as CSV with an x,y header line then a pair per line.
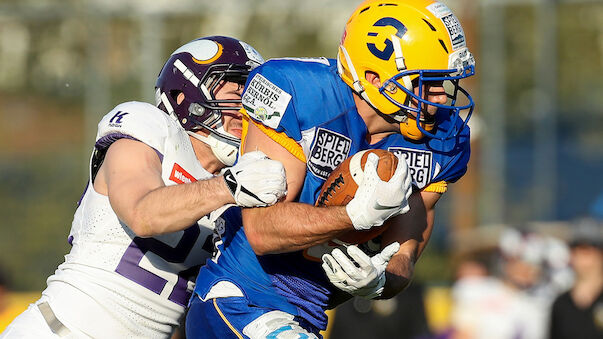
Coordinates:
x,y
377,200
357,273
255,180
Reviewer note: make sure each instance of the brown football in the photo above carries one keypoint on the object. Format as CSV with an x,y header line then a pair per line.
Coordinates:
x,y
341,185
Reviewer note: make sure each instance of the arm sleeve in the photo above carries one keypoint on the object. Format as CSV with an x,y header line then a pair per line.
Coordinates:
x,y
456,167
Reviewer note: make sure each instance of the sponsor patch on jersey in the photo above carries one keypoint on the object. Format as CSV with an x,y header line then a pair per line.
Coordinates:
x,y
116,119
264,101
419,162
329,150
180,176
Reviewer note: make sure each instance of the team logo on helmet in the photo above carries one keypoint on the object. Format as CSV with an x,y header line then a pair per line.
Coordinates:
x,y
202,51
387,52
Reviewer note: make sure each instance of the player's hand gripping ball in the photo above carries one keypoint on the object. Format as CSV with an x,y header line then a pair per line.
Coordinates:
x,y
341,185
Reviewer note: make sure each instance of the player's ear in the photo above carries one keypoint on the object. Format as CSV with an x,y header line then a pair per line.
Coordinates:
x,y
180,98
373,78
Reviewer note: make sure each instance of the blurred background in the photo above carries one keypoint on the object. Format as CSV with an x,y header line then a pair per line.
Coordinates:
x,y
537,130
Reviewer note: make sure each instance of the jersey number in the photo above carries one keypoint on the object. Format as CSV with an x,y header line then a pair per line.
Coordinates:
x,y
129,265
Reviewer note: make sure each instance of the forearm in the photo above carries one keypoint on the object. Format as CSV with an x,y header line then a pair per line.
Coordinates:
x,y
412,230
173,208
292,226
288,226
399,273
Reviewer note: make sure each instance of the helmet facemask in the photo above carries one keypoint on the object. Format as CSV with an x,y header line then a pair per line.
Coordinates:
x,y
413,117
198,69
207,114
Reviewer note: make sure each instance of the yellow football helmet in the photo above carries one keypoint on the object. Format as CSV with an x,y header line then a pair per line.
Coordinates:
x,y
406,43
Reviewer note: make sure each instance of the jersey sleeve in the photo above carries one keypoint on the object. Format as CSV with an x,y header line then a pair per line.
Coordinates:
x,y
456,167
134,120
267,99
268,103
437,187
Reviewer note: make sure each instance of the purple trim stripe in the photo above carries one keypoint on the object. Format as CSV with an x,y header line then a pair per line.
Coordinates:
x,y
108,139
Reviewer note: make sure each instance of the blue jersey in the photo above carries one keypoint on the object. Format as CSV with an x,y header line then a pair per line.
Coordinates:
x,y
306,101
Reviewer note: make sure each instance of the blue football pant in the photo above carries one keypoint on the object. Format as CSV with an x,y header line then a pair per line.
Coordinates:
x,y
233,317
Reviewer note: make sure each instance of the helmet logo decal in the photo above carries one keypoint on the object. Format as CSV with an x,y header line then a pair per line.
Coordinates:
x,y
455,30
255,59
387,52
451,22
211,59
203,51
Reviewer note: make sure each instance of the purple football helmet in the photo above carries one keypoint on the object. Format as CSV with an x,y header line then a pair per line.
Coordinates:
x,y
196,69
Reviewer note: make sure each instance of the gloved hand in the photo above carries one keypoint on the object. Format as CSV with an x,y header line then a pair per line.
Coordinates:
x,y
357,273
255,180
377,200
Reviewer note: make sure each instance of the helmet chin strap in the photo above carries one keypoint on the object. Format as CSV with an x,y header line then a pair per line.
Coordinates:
x,y
400,116
358,88
225,152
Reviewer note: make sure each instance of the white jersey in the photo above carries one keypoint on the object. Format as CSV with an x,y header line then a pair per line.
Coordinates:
x,y
114,284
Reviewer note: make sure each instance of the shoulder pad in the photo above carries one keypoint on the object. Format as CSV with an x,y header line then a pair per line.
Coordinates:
x,y
137,120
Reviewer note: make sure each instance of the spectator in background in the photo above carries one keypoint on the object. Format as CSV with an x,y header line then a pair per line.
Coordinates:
x,y
472,266
578,313
514,303
535,263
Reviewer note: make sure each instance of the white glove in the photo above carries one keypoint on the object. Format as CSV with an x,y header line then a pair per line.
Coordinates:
x,y
377,200
358,274
256,180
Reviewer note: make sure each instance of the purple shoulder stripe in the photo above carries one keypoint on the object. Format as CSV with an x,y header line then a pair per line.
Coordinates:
x,y
107,140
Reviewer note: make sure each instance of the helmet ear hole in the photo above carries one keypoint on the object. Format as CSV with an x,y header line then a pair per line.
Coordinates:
x,y
174,94
373,78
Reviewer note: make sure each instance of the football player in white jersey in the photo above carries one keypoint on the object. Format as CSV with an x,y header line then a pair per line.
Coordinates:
x,y
142,228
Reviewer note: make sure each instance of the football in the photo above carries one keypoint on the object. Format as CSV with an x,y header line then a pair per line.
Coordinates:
x,y
341,185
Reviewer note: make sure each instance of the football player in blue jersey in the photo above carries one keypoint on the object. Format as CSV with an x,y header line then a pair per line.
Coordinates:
x,y
395,86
